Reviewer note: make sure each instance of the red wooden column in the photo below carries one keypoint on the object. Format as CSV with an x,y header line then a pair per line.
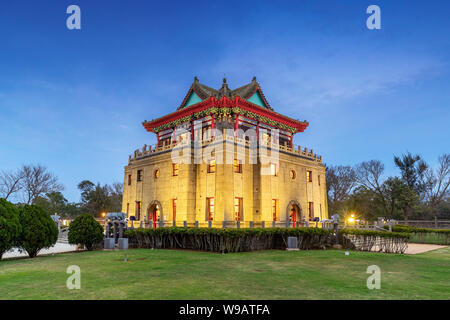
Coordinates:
x,y
257,130
174,138
157,139
192,130
292,137
236,124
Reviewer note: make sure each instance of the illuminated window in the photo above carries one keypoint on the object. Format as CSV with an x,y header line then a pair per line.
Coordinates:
x,y
274,209
309,176
237,166
292,174
137,214
237,208
129,179
175,168
156,173
273,169
212,165
174,206
139,175
210,204
311,210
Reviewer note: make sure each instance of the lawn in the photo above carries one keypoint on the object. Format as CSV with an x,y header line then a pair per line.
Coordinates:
x,y
171,274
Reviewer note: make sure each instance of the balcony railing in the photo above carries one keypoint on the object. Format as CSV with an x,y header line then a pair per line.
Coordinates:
x,y
149,150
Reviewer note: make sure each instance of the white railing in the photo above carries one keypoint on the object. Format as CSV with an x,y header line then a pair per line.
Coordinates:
x,y
148,150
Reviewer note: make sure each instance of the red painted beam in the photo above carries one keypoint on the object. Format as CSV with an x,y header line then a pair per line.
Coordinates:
x,y
225,103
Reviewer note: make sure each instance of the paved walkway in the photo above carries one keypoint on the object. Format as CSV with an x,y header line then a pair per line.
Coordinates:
x,y
415,248
57,248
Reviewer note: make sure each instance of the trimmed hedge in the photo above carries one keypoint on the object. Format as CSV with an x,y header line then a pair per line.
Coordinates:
x,y
226,240
424,235
381,234
368,240
403,228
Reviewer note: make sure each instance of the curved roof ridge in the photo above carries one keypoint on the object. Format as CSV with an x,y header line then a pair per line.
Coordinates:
x,y
245,91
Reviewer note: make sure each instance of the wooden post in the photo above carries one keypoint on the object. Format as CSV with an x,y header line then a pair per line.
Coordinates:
x,y
257,130
213,126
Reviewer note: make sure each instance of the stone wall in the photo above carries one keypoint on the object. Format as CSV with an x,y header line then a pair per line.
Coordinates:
x,y
194,184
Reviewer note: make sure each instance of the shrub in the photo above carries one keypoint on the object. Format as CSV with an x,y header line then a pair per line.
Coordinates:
x,y
424,235
38,229
86,231
368,240
226,240
9,226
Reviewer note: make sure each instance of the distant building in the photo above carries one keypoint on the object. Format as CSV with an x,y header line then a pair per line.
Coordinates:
x,y
224,155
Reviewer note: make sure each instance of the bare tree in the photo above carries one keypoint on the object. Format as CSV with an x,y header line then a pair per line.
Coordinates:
x,y
341,180
437,182
37,181
369,175
117,188
10,183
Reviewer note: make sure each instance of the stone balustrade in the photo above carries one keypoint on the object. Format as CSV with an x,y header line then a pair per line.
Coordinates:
x,y
148,150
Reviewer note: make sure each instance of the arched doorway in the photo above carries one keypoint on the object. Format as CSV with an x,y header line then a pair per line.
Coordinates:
x,y
294,213
154,212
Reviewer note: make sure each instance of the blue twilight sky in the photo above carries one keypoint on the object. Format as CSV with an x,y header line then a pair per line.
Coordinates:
x,y
74,100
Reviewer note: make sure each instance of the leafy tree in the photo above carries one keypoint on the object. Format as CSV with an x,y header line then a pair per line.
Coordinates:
x,y
412,169
86,231
72,210
341,181
369,175
400,198
97,198
38,229
366,203
86,187
55,203
10,227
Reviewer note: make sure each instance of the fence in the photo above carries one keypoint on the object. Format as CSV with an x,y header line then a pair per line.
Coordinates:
x,y
432,224
149,224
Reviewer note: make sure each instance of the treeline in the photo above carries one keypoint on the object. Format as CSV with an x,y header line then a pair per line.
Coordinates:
x,y
34,184
418,192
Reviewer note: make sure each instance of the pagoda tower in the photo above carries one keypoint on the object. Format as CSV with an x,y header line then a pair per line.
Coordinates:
x,y
225,158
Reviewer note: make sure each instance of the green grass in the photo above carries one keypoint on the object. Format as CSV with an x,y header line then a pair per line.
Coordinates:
x,y
170,274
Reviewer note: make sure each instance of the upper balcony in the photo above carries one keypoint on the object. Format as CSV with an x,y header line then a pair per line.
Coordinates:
x,y
149,150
